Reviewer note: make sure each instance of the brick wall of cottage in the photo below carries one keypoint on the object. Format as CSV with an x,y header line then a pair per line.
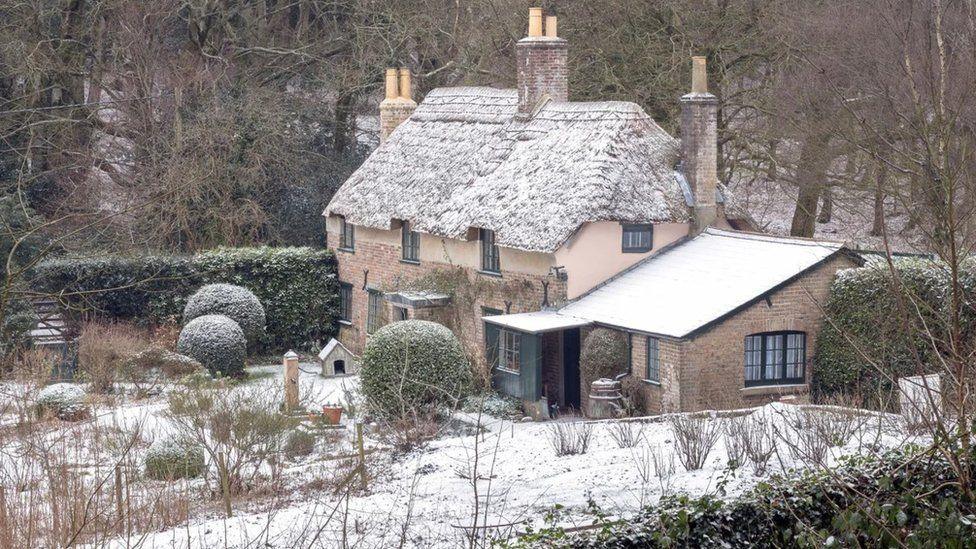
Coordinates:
x,y
707,370
388,273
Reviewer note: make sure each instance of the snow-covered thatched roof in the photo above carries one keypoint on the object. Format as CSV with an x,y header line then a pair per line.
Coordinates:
x,y
464,159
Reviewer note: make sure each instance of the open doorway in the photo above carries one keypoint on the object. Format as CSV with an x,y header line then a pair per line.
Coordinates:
x,y
571,371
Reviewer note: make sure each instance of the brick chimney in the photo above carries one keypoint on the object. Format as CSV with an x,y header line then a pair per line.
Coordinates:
x,y
542,69
398,104
699,145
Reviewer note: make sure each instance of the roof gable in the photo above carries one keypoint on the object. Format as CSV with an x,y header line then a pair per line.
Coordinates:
x,y
464,159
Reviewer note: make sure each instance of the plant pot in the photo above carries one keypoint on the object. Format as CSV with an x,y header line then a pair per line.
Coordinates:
x,y
333,414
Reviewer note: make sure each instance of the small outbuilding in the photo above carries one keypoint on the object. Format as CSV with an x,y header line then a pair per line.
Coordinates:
x,y
337,360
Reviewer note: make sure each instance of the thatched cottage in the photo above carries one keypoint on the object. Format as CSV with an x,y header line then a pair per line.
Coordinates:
x,y
522,220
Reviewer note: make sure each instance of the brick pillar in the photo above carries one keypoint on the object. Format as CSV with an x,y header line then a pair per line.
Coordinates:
x,y
699,146
398,104
542,64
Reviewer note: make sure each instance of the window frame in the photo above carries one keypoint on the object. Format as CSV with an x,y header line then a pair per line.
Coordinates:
x,y
652,359
409,244
345,302
374,304
774,353
631,228
509,352
401,313
490,260
347,236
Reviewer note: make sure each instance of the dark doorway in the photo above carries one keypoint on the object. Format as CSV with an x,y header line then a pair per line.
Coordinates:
x,y
571,371
339,367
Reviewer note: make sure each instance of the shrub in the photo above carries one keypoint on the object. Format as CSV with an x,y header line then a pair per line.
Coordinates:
x,y
604,355
627,434
173,458
65,401
495,405
863,311
299,443
297,286
694,438
158,362
215,341
569,438
234,302
103,350
412,365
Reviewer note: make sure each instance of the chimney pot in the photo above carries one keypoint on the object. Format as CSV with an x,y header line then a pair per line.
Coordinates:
x,y
699,75
551,26
535,21
405,90
391,84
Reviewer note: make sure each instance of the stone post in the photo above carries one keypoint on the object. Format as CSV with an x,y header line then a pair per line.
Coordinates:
x,y
291,381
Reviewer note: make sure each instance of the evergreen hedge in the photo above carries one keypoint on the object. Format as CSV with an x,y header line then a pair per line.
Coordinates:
x,y
903,498
863,313
297,286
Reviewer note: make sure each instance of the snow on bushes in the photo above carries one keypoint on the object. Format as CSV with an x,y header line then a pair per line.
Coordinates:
x,y
867,311
173,458
411,365
215,341
297,286
65,401
158,362
236,302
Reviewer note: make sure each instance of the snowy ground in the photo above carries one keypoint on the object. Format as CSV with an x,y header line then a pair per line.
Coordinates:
x,y
427,498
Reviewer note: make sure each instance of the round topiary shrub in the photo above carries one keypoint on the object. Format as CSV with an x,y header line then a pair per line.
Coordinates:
x,y
235,302
174,457
64,401
411,365
215,341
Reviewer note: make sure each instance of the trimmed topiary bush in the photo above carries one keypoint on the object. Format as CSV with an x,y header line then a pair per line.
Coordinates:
x,y
297,286
411,365
235,302
173,458
217,342
65,401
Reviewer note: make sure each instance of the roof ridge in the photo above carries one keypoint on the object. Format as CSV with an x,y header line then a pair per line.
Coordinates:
x,y
780,239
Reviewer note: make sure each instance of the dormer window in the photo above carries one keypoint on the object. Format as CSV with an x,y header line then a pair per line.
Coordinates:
x,y
347,235
410,242
489,252
637,238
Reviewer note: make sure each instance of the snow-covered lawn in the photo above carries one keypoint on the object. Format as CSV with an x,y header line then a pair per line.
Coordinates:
x,y
428,497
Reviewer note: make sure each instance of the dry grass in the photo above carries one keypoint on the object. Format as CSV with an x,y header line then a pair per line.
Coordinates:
x,y
103,350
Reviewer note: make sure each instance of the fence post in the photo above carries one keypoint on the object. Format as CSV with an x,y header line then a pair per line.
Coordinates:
x,y
362,453
3,510
224,481
119,509
291,381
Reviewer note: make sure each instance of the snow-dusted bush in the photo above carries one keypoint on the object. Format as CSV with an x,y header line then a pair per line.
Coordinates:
x,y
217,342
235,302
159,362
569,438
65,401
604,354
174,457
694,438
411,365
495,405
299,443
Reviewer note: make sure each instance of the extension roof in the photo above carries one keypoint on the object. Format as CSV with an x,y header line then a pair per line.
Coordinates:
x,y
698,281
464,159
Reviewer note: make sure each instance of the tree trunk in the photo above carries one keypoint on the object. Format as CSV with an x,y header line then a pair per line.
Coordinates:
x,y
877,227
826,206
811,172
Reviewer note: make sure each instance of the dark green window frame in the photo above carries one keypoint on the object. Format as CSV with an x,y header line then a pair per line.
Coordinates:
x,y
374,311
489,252
653,370
410,243
637,238
775,358
345,301
347,235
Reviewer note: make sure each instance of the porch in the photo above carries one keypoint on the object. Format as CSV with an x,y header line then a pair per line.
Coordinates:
x,y
535,357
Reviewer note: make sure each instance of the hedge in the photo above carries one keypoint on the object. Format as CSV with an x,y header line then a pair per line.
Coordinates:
x,y
297,286
903,498
862,314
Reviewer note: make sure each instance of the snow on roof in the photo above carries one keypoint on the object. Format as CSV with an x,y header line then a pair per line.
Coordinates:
x,y
464,159
698,281
536,322
331,346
